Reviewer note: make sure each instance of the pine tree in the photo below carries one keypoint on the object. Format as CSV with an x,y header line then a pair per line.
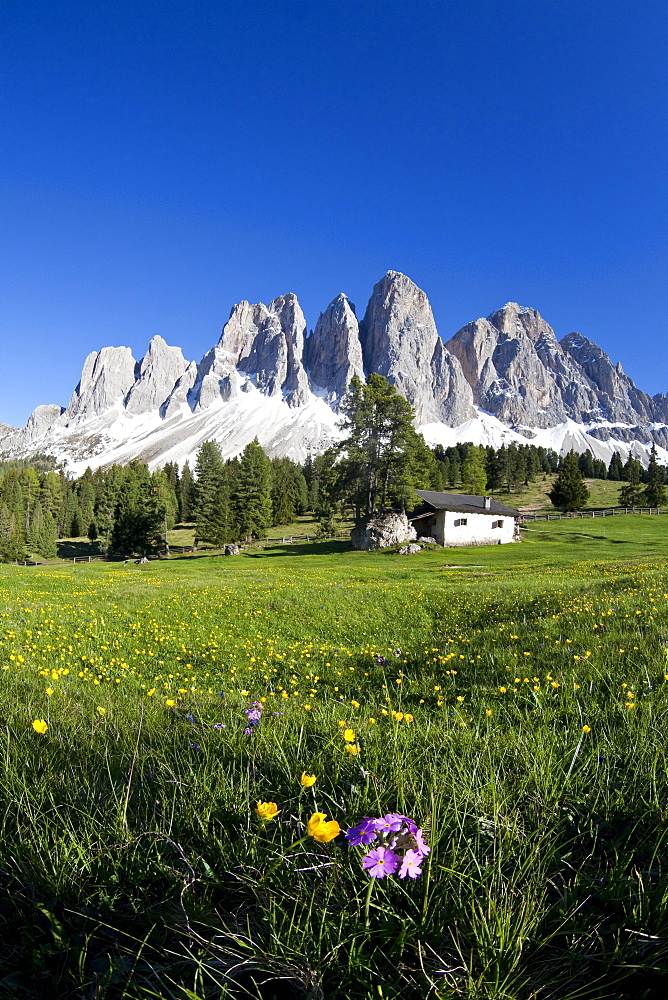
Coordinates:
x,y
185,492
382,457
655,482
251,494
569,491
11,536
289,495
214,522
474,471
616,468
47,541
586,464
138,524
632,493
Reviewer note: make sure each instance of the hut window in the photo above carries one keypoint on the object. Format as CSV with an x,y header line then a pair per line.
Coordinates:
x,y
460,522
497,524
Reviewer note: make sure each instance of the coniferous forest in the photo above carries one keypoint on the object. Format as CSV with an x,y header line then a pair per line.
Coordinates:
x,y
128,509
377,465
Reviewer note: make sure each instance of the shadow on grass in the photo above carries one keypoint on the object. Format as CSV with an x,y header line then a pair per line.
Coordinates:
x,y
324,548
69,548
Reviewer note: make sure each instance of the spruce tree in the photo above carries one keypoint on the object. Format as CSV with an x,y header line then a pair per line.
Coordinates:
x,y
212,508
655,482
186,492
251,495
632,493
47,542
474,471
289,494
586,464
138,523
615,468
11,536
569,491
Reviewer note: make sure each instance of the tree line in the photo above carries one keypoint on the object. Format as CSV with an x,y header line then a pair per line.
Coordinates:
x,y
641,487
377,466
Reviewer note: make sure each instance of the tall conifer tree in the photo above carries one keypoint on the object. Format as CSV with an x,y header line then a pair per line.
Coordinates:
x,y
569,491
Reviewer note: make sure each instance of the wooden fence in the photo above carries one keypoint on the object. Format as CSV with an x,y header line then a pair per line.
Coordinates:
x,y
607,512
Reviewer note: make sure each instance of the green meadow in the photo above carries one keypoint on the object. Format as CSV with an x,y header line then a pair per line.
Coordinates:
x,y
512,700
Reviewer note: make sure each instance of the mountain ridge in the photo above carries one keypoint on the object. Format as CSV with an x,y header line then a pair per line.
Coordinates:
x,y
499,378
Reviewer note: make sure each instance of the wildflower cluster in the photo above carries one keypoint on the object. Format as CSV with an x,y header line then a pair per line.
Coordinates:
x,y
254,716
400,845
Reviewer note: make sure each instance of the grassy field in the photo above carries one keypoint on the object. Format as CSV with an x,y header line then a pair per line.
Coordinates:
x,y
511,700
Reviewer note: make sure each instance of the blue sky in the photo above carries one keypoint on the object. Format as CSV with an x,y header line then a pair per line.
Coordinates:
x,y
160,161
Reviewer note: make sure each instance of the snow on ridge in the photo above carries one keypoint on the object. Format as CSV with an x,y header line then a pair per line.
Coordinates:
x,y
117,436
566,436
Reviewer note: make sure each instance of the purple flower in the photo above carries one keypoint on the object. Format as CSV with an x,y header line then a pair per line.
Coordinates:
x,y
391,823
380,862
420,844
195,746
410,866
363,833
247,731
253,715
219,725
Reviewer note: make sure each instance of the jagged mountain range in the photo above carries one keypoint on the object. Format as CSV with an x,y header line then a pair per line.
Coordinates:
x,y
501,379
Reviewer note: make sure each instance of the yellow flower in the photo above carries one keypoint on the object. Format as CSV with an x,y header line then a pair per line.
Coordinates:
x,y
408,717
372,721
397,716
170,703
49,691
460,697
586,729
349,735
503,690
40,726
488,711
100,710
307,779
352,748
267,810
341,723
320,830
150,692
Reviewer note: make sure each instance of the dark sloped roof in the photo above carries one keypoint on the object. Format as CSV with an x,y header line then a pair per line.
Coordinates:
x,y
464,503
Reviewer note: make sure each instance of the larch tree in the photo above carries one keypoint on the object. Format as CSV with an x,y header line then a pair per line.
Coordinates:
x,y
382,456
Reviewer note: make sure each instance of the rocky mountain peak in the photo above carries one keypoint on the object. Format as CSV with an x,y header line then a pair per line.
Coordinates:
x,y
333,354
266,343
264,377
619,398
106,379
157,373
515,320
400,341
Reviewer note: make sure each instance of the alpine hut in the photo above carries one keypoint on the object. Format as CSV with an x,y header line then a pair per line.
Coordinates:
x,y
452,519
